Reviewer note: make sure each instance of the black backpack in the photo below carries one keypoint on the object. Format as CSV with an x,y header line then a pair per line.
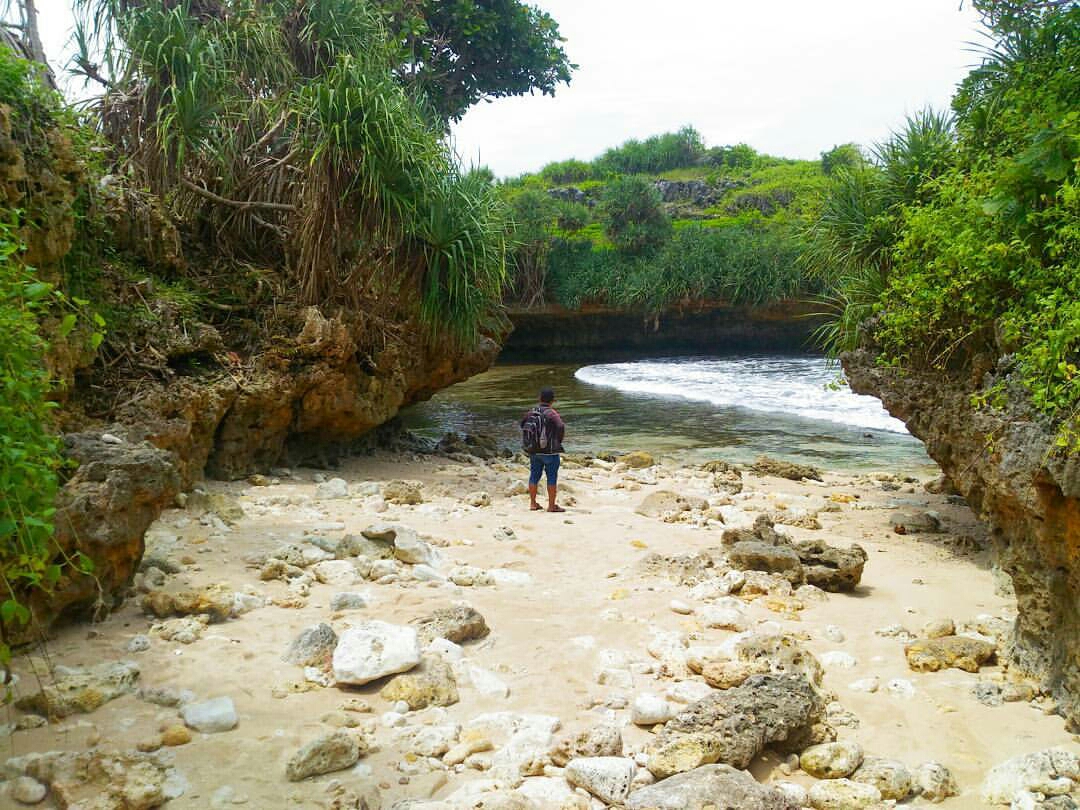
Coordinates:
x,y
534,431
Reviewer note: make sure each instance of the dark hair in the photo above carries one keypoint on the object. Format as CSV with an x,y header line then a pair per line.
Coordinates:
x,y
547,395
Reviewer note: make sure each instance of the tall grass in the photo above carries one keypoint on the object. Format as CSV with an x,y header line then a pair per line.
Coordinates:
x,y
277,132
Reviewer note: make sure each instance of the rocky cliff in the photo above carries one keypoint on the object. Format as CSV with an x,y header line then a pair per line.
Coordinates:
x,y
556,333
1003,461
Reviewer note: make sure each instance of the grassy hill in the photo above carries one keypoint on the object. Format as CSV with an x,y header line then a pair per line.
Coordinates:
x,y
663,222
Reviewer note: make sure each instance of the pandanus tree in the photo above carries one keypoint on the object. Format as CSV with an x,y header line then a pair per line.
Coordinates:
x,y
279,132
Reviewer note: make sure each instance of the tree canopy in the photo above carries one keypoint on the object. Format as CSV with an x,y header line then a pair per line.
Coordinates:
x,y
465,51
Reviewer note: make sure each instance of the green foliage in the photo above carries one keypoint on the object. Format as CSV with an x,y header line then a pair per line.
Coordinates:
x,y
739,156
845,156
633,216
568,171
656,154
29,450
462,52
279,133
967,245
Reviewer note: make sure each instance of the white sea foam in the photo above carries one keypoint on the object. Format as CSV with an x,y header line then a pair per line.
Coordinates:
x,y
797,386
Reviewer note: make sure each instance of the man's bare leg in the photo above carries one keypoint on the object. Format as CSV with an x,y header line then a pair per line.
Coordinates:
x,y
533,505
552,491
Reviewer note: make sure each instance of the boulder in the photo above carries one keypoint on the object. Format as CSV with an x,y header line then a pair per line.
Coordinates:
x,y
962,652
843,794
373,650
914,522
734,725
1052,772
606,778
637,460
76,690
832,569
458,624
834,760
332,752
891,777
600,741
755,555
662,502
432,684
710,787
784,469
409,548
403,492
314,647
934,782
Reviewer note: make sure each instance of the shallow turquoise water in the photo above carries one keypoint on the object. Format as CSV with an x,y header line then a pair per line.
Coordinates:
x,y
692,409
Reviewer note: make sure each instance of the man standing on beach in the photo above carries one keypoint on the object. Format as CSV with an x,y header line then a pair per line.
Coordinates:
x,y
542,431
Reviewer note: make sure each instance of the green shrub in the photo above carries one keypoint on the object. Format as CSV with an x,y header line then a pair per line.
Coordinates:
x,y
633,216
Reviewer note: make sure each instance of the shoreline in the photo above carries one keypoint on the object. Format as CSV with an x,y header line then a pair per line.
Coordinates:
x,y
574,613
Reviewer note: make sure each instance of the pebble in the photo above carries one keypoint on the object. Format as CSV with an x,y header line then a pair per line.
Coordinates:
x,y
834,634
843,794
606,778
935,782
680,607
865,684
834,760
649,709
837,659
211,716
27,790
137,644
901,687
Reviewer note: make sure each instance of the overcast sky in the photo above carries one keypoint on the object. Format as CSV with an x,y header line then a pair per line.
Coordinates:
x,y
789,77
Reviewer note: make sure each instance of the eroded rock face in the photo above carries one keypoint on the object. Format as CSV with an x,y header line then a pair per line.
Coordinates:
x,y
1028,493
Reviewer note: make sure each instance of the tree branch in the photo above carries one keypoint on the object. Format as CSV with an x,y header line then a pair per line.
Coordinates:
x,y
206,193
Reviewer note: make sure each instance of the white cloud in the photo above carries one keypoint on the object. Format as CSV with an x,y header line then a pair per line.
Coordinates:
x,y
789,77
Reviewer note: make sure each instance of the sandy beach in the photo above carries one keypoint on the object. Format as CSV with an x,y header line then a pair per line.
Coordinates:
x,y
587,610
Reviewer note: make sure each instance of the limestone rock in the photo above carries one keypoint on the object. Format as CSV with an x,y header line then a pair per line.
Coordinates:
x,y
185,629
409,548
1052,772
314,647
432,684
348,600
334,489
657,504
102,780
332,752
834,760
458,624
843,794
478,499
603,741
935,782
649,709
930,655
728,674
891,777
374,649
339,573
939,628
77,690
607,778
215,601
755,555
403,492
785,469
781,655
210,716
832,569
637,460
27,790
710,787
734,725
913,522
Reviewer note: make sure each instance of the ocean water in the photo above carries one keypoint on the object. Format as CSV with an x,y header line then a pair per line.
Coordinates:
x,y
689,408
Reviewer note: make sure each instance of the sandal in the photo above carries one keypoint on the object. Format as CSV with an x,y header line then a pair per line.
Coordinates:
x,y
556,509
535,507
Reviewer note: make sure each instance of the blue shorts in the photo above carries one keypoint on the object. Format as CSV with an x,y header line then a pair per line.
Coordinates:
x,y
540,463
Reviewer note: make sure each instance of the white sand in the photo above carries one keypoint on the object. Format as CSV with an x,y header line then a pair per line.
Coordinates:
x,y
585,583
